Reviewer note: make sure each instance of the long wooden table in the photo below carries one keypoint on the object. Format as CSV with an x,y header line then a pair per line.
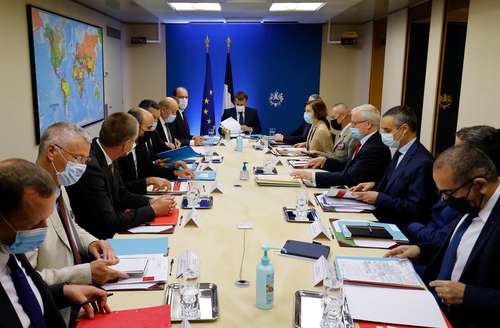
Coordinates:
x,y
218,243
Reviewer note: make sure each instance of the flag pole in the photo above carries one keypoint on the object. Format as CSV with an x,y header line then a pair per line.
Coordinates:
x,y
207,43
228,42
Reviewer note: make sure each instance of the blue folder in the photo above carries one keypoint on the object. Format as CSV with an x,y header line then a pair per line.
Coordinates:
x,y
140,246
177,154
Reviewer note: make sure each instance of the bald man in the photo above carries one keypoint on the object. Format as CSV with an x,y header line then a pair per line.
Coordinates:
x,y
137,168
164,128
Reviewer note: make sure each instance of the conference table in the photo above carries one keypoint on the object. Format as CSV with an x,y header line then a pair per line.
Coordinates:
x,y
219,245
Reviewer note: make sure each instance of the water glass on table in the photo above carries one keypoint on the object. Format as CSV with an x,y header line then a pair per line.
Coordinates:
x,y
190,291
332,303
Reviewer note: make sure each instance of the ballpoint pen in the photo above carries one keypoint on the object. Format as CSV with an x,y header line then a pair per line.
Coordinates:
x,y
180,220
171,267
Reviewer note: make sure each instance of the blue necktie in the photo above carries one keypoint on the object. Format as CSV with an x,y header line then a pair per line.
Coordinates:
x,y
450,256
391,169
26,296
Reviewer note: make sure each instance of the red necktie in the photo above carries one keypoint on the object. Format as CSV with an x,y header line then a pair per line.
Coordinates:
x,y
356,150
61,209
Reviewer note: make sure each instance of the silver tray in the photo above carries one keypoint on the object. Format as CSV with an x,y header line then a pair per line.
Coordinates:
x,y
307,313
209,305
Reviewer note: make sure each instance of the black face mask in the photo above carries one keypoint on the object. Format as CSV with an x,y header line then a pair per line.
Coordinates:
x,y
335,125
461,204
147,136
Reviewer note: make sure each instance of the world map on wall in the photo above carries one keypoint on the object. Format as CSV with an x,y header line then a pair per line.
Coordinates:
x,y
68,67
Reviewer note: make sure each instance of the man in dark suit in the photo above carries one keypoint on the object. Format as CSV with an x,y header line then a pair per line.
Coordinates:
x,y
370,156
407,192
165,128
101,203
463,273
138,170
246,116
180,127
28,198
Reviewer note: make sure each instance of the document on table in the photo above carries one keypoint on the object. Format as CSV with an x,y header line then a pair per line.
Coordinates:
x,y
232,125
379,271
150,229
131,265
412,307
343,204
188,259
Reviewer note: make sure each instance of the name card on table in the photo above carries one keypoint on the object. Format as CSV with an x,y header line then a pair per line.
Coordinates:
x,y
216,187
321,270
188,260
318,230
208,167
193,217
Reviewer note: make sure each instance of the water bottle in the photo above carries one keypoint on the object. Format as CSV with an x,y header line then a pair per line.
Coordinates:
x,y
244,174
239,143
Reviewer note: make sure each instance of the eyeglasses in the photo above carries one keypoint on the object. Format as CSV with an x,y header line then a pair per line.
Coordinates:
x,y
79,158
451,192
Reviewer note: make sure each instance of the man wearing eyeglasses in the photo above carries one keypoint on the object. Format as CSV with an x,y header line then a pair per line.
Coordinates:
x,y
463,273
69,254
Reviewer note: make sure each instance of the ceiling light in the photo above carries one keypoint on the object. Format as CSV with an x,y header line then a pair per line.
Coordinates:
x,y
195,6
296,6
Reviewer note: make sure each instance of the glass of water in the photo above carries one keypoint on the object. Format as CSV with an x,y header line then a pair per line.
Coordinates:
x,y
268,164
208,153
193,195
332,303
301,208
189,291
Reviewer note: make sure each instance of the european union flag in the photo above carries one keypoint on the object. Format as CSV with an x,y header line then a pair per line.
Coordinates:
x,y
207,106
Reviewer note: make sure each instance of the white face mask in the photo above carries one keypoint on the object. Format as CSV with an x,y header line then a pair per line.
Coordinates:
x,y
240,109
71,173
183,103
171,118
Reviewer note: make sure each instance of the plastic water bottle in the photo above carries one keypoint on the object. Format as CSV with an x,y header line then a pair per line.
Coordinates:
x,y
239,143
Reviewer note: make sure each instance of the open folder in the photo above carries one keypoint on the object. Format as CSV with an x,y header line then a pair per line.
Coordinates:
x,y
277,181
177,154
157,316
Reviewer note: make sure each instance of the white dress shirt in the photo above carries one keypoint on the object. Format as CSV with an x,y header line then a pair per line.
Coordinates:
x,y
166,130
403,150
10,290
109,161
471,234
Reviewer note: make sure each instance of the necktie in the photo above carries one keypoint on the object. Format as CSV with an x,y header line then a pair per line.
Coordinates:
x,y
241,119
27,297
394,164
63,214
450,256
356,149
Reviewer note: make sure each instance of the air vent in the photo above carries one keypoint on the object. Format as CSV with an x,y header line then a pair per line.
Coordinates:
x,y
113,33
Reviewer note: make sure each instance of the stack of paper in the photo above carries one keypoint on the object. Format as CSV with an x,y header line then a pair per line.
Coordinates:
x,y
161,224
277,181
132,265
158,316
330,204
336,192
232,125
378,271
298,164
289,151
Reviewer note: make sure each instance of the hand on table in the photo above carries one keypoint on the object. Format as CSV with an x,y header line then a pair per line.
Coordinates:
x,y
79,294
102,247
102,273
185,174
158,183
450,292
369,197
316,163
278,137
410,252
163,205
307,175
364,186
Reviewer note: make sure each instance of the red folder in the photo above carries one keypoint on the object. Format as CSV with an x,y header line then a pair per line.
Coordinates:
x,y
167,220
151,317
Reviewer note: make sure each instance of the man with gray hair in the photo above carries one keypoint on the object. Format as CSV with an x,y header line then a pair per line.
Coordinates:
x,y
369,160
164,128
463,271
100,200
69,254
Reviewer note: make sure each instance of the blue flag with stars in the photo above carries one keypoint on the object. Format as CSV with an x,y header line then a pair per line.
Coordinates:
x,y
207,107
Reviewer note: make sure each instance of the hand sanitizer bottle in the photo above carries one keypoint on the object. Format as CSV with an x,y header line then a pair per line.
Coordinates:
x,y
244,175
265,280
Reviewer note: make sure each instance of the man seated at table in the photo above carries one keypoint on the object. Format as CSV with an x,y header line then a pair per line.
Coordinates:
x,y
406,192
167,115
63,153
463,273
369,160
340,119
137,168
101,203
247,117
300,134
180,127
28,198
156,138
442,216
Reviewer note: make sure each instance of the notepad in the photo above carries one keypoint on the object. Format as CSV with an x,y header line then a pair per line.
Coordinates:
x,y
139,246
157,316
131,265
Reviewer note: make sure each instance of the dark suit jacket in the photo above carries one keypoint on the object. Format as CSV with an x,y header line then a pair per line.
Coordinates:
x,y
298,135
481,276
52,297
135,181
368,165
161,136
251,118
408,192
102,204
180,129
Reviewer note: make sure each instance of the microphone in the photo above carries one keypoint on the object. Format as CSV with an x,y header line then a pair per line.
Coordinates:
x,y
242,283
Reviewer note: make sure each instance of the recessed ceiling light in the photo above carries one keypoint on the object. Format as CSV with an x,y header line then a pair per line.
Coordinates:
x,y
195,6
296,6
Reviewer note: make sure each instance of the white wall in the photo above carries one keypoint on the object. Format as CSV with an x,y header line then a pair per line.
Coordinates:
x,y
394,59
480,92
345,70
17,127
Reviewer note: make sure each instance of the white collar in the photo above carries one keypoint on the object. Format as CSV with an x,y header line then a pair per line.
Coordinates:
x,y
4,256
348,126
108,160
406,147
162,121
365,138
485,212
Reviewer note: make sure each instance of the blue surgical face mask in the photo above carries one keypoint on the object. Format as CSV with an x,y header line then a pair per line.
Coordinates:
x,y
71,173
171,118
26,240
183,103
389,141
308,117
356,134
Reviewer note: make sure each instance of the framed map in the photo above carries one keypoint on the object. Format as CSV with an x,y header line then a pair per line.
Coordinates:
x,y
67,69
